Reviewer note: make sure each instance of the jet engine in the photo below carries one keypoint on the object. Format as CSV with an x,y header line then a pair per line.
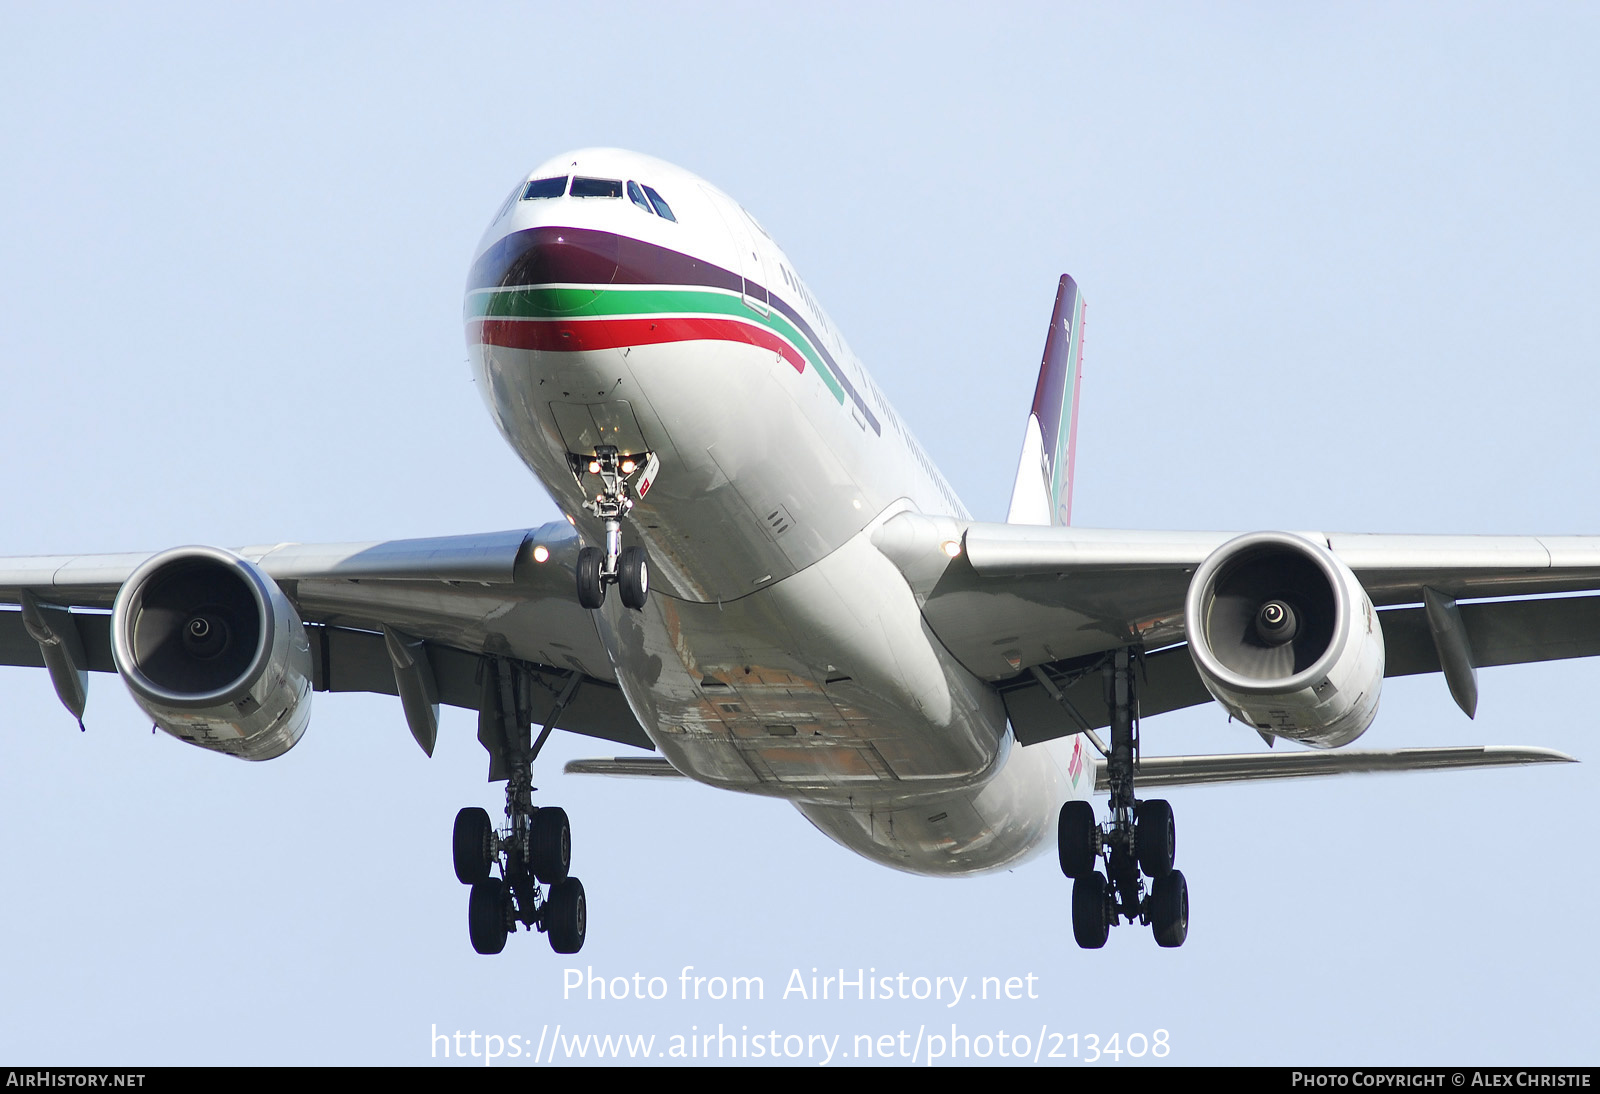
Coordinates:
x,y
214,652
1286,639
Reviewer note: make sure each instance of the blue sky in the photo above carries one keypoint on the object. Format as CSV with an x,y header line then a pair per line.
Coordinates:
x,y
1340,265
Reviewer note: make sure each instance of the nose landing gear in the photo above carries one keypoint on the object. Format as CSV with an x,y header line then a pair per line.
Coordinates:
x,y
1139,837
626,567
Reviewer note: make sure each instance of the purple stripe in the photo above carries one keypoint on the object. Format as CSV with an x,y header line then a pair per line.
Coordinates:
x,y
583,256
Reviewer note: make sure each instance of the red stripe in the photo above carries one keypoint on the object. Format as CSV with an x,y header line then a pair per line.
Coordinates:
x,y
591,334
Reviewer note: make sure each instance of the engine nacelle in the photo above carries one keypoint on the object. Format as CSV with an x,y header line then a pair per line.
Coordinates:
x,y
214,652
1286,639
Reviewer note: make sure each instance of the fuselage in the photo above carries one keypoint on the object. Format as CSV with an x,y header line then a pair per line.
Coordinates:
x,y
619,300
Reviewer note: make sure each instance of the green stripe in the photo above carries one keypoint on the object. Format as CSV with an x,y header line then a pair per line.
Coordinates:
x,y
552,303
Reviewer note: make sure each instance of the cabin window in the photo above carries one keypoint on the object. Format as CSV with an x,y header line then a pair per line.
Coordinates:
x,y
636,196
662,208
545,188
596,188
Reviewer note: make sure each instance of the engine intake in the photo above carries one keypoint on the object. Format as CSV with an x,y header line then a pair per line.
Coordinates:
x,y
214,652
1285,638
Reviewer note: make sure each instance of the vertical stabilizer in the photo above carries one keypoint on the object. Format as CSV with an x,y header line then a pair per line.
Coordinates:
x,y
1043,490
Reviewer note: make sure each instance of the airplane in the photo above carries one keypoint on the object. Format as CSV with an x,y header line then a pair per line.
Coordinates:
x,y
763,579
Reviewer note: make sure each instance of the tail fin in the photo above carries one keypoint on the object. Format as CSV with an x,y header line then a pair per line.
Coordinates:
x,y
1043,490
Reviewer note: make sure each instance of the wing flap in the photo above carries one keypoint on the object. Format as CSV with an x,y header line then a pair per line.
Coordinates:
x,y
17,646
350,660
1168,681
1502,632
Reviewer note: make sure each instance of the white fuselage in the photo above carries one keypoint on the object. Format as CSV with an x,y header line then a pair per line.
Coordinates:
x,y
780,652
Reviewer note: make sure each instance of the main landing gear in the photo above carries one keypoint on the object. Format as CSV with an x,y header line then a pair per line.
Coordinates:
x,y
626,567
1138,838
532,850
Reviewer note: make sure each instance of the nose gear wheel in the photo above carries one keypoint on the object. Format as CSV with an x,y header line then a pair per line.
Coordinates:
x,y
628,568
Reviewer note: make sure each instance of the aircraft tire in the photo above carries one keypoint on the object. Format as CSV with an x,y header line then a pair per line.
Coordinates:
x,y
550,845
566,916
486,916
1091,925
591,590
469,845
1156,837
1169,909
1075,838
633,577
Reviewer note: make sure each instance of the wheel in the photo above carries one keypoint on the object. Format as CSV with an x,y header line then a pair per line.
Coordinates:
x,y
566,916
591,590
1169,909
1076,838
550,845
486,915
1091,926
633,577
1156,837
469,845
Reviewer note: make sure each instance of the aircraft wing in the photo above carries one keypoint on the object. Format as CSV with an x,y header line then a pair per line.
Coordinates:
x,y
1030,608
465,599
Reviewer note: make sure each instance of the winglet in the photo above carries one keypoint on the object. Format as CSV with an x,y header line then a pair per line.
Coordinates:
x,y
1043,490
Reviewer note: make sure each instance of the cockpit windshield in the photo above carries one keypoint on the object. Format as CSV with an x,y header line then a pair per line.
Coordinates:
x,y
545,188
596,188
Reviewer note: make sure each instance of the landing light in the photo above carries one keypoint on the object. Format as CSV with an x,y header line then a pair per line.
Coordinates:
x,y
541,553
628,466
571,521
594,467
951,547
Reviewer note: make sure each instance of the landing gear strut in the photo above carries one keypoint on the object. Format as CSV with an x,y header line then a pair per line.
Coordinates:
x,y
1139,837
533,851
626,567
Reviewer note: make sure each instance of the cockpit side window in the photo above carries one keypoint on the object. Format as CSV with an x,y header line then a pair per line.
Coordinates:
x,y
636,196
662,208
516,192
596,188
545,188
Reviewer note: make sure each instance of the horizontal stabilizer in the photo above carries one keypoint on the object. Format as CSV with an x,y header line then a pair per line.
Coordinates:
x,y
631,767
1246,767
